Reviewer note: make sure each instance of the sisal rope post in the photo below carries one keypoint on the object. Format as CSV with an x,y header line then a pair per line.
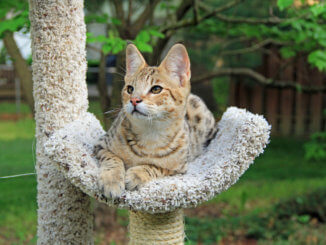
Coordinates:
x,y
159,228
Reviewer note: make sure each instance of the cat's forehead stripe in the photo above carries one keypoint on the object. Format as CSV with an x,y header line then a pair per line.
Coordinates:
x,y
146,74
147,71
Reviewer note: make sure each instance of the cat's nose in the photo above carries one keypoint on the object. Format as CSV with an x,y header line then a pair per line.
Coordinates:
x,y
135,101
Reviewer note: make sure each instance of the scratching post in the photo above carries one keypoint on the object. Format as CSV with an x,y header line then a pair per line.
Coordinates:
x,y
156,208
67,170
59,67
160,229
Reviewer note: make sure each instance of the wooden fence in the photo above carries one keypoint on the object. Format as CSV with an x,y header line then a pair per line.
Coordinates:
x,y
7,83
10,87
290,111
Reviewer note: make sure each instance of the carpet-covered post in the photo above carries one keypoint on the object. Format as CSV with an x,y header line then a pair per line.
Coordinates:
x,y
59,67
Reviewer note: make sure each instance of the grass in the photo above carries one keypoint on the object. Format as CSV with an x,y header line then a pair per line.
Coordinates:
x,y
11,108
17,195
21,129
280,173
18,215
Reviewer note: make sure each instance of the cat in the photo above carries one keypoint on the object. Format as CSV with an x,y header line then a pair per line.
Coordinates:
x,y
160,127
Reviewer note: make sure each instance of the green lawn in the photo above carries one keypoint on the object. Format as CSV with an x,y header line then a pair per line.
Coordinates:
x,y
279,174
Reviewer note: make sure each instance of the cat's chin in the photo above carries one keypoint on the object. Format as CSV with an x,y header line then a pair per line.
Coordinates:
x,y
138,114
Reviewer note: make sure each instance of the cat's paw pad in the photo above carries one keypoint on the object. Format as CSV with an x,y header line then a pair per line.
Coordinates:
x,y
112,184
135,178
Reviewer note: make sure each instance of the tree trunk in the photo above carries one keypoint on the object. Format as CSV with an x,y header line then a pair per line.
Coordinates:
x,y
105,100
60,93
118,82
21,67
155,57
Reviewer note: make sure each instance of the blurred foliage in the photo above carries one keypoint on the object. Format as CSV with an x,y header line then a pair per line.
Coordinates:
x,y
283,4
304,207
221,93
288,220
13,16
316,148
300,29
112,43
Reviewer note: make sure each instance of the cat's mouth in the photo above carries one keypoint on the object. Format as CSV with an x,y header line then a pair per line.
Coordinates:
x,y
138,112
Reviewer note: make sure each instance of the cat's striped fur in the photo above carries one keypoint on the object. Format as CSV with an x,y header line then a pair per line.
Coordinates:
x,y
155,134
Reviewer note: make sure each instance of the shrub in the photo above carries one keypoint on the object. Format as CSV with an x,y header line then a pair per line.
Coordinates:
x,y
316,147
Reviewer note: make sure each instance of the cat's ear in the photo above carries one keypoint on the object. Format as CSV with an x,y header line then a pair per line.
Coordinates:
x,y
134,60
177,64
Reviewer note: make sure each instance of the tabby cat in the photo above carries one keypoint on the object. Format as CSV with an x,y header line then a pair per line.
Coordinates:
x,y
160,128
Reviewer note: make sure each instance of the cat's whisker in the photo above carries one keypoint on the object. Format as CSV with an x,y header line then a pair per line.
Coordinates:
x,y
120,74
122,68
113,110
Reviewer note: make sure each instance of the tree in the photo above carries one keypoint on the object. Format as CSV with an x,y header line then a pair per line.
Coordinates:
x,y
13,18
291,27
238,28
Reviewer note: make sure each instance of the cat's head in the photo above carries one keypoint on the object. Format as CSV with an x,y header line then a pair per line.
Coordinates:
x,y
156,93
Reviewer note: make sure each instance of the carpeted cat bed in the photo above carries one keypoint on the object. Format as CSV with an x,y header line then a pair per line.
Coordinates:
x,y
242,136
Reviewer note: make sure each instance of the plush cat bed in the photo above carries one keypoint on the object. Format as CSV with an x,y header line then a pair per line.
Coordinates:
x,y
242,136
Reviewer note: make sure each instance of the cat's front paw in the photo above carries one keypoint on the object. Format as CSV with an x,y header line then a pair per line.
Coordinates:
x,y
112,183
135,178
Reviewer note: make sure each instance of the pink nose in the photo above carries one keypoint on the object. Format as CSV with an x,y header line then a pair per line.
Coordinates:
x,y
135,101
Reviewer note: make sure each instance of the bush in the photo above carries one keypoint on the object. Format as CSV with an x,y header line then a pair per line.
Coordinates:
x,y
304,207
316,148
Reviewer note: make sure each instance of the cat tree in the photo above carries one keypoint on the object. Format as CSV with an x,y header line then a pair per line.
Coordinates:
x,y
66,134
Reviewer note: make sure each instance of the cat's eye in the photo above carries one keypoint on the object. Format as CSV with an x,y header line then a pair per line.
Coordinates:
x,y
130,89
156,89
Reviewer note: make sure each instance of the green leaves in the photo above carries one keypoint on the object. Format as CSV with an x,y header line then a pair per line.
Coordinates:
x,y
302,30
143,36
287,52
112,44
144,47
283,4
12,25
318,9
91,18
13,16
144,39
315,149
156,33
318,58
